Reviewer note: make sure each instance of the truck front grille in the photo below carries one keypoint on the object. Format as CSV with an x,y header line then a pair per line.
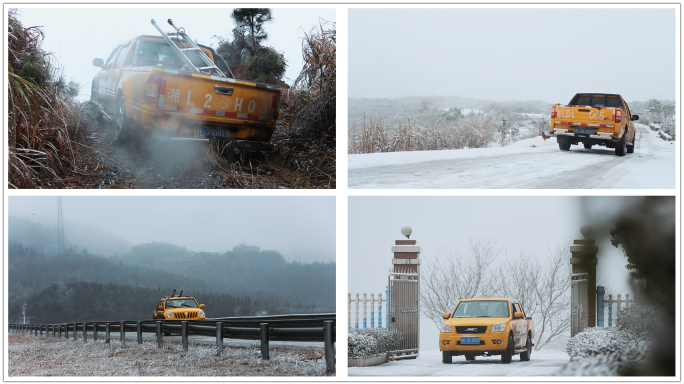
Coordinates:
x,y
185,315
472,329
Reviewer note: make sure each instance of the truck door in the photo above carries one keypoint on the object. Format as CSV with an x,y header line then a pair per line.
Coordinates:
x,y
103,77
112,77
519,327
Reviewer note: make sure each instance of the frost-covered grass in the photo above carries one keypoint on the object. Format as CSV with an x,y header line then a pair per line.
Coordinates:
x,y
43,356
367,342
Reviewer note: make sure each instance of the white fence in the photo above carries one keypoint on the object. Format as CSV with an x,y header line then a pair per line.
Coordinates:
x,y
367,303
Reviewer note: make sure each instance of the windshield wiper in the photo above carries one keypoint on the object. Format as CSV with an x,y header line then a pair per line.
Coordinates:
x,y
186,305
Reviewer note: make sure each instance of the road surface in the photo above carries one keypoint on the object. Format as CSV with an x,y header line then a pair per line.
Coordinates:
x,y
542,363
528,164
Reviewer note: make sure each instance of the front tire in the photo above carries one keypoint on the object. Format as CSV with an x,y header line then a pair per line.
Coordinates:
x,y
630,148
446,357
507,356
119,125
525,356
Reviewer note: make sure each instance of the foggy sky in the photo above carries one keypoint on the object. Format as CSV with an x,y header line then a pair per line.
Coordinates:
x,y
445,224
512,54
200,223
78,35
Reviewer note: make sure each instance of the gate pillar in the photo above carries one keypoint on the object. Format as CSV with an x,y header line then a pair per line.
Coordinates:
x,y
583,260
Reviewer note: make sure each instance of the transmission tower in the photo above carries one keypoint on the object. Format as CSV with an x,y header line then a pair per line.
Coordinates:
x,y
60,226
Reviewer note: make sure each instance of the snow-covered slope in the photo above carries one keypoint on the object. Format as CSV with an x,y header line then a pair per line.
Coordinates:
x,y
531,163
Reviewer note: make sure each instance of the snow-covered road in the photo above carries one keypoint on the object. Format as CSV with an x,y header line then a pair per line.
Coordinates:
x,y
530,164
542,363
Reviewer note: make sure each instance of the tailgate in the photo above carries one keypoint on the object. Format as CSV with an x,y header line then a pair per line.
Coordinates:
x,y
585,115
216,98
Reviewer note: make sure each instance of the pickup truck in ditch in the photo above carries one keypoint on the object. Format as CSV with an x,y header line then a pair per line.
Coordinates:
x,y
174,87
487,327
594,119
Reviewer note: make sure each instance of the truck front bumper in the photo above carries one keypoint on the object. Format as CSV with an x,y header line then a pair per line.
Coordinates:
x,y
493,344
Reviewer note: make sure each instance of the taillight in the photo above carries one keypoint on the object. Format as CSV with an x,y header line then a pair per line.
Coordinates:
x,y
151,95
276,105
553,112
617,117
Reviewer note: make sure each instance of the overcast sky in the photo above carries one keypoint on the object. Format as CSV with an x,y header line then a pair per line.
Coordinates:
x,y
78,35
442,225
199,223
512,54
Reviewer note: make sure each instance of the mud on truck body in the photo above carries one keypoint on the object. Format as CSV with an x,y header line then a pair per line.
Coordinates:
x,y
594,119
173,87
487,327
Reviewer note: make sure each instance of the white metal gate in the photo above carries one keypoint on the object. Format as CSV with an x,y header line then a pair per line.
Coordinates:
x,y
579,301
404,310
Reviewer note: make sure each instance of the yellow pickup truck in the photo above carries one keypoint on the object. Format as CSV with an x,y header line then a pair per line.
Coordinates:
x,y
487,327
178,308
594,119
184,91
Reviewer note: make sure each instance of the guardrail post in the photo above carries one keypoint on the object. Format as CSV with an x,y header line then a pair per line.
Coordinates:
x,y
108,331
66,331
85,332
184,335
329,346
122,332
160,337
95,335
139,330
264,340
59,330
75,332
219,338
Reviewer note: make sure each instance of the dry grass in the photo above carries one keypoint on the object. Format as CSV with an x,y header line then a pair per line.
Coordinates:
x,y
43,356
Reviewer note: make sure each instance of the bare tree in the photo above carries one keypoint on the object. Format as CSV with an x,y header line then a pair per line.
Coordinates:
x,y
446,280
553,293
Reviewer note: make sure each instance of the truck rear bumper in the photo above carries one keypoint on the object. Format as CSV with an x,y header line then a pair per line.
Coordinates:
x,y
599,136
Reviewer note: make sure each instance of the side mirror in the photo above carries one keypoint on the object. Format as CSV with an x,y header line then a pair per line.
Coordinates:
x,y
201,306
446,315
635,117
518,315
98,63
160,308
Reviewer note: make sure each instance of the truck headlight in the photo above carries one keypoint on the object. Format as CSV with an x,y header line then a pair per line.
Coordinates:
x,y
200,313
446,328
169,315
499,327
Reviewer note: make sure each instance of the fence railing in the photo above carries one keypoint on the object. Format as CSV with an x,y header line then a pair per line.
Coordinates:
x,y
314,327
605,303
365,301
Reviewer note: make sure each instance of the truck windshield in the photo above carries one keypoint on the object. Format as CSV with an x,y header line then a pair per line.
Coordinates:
x,y
154,52
483,308
181,303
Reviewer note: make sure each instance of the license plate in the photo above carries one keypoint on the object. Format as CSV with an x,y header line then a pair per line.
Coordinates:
x,y
210,132
470,340
584,131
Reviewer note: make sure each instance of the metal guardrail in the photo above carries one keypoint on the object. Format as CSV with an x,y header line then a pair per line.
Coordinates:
x,y
314,327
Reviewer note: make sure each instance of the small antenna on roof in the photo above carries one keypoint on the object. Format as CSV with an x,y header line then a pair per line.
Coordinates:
x,y
181,294
174,292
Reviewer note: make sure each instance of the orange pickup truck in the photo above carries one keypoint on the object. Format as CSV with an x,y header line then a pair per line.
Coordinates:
x,y
487,327
170,85
594,119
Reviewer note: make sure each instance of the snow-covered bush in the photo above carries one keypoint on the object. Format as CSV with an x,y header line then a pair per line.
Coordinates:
x,y
669,126
367,342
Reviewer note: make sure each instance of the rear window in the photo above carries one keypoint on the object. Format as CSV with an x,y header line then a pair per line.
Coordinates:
x,y
596,101
155,52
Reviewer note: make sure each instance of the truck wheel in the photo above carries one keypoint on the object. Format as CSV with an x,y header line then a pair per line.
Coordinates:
x,y
621,146
630,148
587,146
563,144
119,125
525,356
446,357
507,356
470,357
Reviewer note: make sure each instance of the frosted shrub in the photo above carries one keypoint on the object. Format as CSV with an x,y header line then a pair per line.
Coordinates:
x,y
368,342
669,126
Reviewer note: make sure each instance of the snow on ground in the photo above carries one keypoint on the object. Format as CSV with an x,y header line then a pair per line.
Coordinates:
x,y
47,356
429,363
531,163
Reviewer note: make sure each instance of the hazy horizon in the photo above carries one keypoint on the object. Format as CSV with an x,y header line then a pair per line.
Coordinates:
x,y
548,53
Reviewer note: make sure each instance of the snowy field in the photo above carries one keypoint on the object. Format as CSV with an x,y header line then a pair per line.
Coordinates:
x,y
530,164
542,363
